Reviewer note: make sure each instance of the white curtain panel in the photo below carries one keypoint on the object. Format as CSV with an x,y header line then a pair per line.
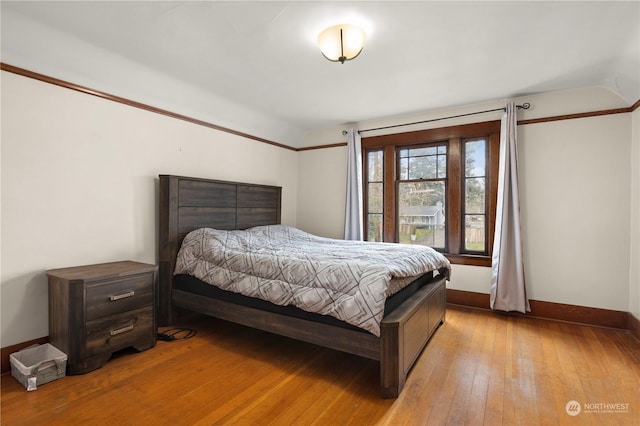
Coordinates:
x,y
507,278
353,222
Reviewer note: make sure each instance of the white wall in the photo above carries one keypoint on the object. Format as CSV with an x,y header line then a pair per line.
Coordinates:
x,y
575,195
575,177
79,186
322,176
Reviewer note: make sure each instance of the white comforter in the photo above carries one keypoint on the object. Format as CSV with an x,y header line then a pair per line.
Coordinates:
x,y
348,280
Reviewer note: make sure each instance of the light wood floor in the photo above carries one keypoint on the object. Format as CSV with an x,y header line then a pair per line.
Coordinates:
x,y
479,368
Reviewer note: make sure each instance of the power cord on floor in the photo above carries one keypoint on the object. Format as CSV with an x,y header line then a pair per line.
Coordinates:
x,y
176,334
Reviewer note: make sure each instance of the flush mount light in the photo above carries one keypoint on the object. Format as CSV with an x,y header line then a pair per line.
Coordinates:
x,y
341,43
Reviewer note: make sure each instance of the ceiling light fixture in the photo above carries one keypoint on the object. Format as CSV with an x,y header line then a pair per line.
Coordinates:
x,y
341,42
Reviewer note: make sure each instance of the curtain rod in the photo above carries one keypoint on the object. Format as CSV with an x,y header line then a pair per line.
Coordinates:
x,y
525,105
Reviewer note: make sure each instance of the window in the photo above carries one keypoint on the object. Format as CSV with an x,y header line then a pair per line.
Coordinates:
x,y
475,172
422,195
375,198
434,187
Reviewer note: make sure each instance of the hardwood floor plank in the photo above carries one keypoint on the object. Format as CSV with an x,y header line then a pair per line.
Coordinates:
x,y
478,398
458,373
413,406
549,398
479,368
466,371
526,394
495,389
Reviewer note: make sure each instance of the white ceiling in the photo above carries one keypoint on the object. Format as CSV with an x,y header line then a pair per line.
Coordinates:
x,y
418,56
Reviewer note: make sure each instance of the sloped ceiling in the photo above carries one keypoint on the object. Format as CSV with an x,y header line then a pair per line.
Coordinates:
x,y
260,58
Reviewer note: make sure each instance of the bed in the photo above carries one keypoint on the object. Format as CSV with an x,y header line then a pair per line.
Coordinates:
x,y
188,204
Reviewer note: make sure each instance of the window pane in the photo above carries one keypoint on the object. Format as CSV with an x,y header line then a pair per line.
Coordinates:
x,y
474,239
415,152
421,207
442,166
374,162
374,198
374,202
475,157
374,233
404,168
423,163
423,167
474,195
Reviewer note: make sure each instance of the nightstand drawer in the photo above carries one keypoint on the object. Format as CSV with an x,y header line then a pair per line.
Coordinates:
x,y
115,296
120,331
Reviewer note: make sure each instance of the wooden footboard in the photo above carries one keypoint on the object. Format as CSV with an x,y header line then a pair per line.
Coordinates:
x,y
406,331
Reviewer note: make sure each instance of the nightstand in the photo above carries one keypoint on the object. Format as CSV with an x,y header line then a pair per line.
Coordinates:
x,y
96,310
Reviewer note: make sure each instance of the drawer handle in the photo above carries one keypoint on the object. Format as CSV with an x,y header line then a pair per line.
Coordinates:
x,y
121,330
122,296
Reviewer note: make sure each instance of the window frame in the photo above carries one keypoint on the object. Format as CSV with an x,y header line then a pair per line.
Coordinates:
x,y
455,137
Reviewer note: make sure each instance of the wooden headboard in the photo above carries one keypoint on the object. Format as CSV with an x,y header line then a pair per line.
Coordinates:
x,y
190,203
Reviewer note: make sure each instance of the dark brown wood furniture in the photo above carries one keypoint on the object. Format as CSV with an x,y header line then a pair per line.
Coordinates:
x,y
190,203
95,310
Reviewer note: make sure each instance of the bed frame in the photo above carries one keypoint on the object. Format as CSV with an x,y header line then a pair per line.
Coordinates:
x,y
190,203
